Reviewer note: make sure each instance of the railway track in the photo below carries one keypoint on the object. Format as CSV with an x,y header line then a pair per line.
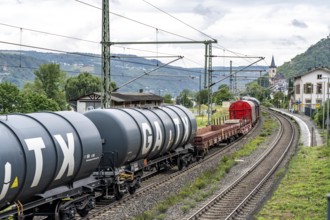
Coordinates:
x,y
153,181
238,200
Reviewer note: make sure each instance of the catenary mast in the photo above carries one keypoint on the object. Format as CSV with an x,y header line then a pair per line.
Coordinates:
x,y
106,79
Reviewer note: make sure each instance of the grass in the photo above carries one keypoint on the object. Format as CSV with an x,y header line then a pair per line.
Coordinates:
x,y
207,183
202,119
302,192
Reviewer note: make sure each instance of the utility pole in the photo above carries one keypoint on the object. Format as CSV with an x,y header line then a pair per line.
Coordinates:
x,y
106,79
208,78
209,83
231,86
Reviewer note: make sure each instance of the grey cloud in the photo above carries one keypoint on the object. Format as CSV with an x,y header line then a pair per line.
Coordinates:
x,y
290,41
210,14
300,38
285,42
299,24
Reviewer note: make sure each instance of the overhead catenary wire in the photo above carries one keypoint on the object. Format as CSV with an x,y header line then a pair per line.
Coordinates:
x,y
49,33
179,20
78,39
138,22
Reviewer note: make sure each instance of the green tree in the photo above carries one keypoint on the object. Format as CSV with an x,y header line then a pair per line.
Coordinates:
x,y
168,98
81,85
185,98
34,102
51,80
253,89
10,99
279,100
223,94
320,116
202,96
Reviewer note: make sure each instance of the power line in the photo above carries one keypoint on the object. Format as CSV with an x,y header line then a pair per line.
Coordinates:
x,y
139,22
75,38
48,49
179,20
48,33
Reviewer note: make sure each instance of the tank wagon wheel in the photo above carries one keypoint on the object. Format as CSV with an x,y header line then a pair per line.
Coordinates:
x,y
85,208
131,189
118,195
179,163
206,152
182,163
158,167
65,211
83,212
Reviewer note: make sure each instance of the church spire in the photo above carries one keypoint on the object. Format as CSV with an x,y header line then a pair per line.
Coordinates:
x,y
272,65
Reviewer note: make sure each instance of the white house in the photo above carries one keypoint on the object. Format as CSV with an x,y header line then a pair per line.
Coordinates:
x,y
310,89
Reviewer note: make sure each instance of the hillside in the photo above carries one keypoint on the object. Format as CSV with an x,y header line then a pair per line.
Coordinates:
x,y
316,55
18,67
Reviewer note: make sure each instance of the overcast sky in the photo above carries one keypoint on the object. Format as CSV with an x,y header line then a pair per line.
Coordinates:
x,y
259,28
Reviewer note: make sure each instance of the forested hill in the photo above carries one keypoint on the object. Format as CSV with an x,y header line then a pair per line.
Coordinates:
x,y
18,67
315,56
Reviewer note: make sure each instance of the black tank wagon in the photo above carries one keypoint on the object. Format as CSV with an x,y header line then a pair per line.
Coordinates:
x,y
43,154
57,163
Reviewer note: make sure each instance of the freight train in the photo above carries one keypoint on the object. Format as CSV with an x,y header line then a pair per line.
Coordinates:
x,y
57,164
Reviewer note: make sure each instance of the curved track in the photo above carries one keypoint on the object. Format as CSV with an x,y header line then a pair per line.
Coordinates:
x,y
234,202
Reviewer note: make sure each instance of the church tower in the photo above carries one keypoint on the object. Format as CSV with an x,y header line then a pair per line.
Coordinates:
x,y
272,69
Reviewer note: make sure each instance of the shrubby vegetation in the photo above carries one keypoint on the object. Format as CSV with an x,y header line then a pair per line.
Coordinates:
x,y
50,91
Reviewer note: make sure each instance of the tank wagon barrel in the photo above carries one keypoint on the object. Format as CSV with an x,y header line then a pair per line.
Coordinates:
x,y
136,134
43,151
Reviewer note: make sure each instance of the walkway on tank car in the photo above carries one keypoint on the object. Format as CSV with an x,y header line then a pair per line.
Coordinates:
x,y
310,134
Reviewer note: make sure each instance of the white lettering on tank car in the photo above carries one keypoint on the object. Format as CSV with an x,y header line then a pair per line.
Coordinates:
x,y
146,137
35,145
159,136
170,140
186,128
6,180
68,154
177,124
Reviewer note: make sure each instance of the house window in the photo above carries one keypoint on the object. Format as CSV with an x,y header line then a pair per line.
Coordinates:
x,y
297,89
308,103
319,88
308,88
319,76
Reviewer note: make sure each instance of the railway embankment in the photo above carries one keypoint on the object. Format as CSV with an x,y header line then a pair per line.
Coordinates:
x,y
302,192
